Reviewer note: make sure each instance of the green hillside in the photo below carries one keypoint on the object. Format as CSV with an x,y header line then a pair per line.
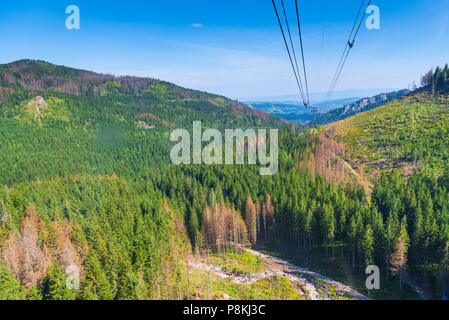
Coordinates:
x,y
359,106
93,123
102,96
86,182
410,134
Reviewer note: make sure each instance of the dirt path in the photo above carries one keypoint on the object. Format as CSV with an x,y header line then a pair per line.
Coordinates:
x,y
338,286
279,267
348,166
249,279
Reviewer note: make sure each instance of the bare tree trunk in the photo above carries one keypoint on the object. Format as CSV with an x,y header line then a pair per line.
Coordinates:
x,y
353,255
333,249
433,87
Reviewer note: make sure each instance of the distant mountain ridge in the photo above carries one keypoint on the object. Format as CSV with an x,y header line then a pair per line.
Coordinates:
x,y
39,76
295,111
89,120
359,106
319,97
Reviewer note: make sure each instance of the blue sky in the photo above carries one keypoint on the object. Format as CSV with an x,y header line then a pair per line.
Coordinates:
x,y
231,47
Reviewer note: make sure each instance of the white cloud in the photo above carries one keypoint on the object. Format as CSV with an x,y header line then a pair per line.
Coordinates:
x,y
197,25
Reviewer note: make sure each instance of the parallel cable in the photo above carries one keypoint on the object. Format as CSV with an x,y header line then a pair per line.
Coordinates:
x,y
348,48
288,50
302,53
350,45
294,51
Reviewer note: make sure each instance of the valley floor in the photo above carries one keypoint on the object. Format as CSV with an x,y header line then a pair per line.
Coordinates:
x,y
301,283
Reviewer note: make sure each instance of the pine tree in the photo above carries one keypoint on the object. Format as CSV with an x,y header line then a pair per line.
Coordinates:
x,y
10,287
268,219
446,74
368,246
352,234
398,258
54,285
444,271
309,227
193,228
251,220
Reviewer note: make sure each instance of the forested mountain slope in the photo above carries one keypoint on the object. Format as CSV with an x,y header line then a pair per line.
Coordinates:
x,y
57,120
399,154
86,184
409,133
140,94
83,169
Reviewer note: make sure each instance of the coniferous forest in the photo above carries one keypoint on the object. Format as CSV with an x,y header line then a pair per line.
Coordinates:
x,y
86,182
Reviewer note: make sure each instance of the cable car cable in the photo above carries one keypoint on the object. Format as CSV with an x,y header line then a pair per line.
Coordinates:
x,y
348,47
288,50
302,52
294,51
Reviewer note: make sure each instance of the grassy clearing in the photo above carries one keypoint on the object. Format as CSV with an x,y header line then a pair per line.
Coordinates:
x,y
205,285
239,263
208,285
